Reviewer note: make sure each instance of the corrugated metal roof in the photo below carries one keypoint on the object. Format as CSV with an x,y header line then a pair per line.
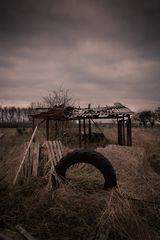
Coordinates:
x,y
102,112
61,112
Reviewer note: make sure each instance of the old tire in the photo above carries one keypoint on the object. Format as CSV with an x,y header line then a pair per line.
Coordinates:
x,y
91,157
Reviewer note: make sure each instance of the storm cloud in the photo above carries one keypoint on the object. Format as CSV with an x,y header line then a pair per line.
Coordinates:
x,y
102,51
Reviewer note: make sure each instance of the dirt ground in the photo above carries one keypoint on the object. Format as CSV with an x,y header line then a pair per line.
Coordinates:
x,y
80,208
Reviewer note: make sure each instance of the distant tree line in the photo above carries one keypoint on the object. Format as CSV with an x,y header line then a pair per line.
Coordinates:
x,y
147,118
15,116
19,116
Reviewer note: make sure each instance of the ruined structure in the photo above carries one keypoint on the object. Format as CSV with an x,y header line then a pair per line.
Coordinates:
x,y
85,116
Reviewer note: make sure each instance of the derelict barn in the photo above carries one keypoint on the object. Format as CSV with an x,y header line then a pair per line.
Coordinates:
x,y
85,117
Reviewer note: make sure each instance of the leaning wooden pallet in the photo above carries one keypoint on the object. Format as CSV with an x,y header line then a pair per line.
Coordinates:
x,y
31,161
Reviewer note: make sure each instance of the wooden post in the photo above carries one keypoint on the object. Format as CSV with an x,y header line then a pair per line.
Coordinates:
x,y
84,131
89,128
47,129
2,118
56,129
120,137
124,141
129,132
24,233
80,138
33,127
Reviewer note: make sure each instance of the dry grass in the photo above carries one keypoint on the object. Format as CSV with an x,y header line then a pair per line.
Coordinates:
x,y
81,209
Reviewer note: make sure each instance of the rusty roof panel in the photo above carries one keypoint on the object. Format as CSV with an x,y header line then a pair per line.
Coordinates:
x,y
62,113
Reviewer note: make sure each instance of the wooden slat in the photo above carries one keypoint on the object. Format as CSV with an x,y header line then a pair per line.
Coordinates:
x,y
55,151
35,159
61,147
25,154
24,233
29,161
53,158
59,150
50,156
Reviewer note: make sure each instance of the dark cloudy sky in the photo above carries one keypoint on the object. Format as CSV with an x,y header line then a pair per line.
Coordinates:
x,y
103,51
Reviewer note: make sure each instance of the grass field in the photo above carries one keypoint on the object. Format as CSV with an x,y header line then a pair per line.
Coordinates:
x,y
81,209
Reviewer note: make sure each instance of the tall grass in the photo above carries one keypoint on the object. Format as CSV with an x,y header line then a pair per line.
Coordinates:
x,y
81,209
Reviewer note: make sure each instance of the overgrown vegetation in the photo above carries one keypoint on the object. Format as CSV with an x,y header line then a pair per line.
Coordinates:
x,y
81,209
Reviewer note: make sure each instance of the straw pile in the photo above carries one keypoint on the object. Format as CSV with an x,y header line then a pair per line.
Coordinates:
x,y
81,209
135,176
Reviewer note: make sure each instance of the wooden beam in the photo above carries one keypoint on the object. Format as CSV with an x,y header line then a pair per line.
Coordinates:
x,y
33,126
80,137
129,132
24,233
120,137
89,128
84,131
123,136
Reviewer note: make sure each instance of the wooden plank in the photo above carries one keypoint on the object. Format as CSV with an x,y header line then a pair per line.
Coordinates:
x,y
50,156
129,132
25,154
53,158
84,132
89,128
33,126
61,147
24,233
25,164
29,161
80,134
123,126
23,167
59,151
55,151
120,138
35,160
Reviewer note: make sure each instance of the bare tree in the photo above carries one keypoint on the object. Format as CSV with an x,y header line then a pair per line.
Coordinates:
x,y
59,97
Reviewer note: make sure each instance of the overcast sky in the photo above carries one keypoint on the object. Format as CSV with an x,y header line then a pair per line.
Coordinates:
x,y
103,51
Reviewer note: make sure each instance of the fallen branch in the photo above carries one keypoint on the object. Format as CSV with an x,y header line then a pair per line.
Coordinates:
x,y
24,233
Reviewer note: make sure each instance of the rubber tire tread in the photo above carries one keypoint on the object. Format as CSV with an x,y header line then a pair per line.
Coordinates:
x,y
91,157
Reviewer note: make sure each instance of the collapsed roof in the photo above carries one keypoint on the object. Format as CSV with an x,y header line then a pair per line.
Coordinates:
x,y
71,113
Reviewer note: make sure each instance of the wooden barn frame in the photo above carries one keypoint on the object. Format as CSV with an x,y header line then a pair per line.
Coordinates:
x,y
118,112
